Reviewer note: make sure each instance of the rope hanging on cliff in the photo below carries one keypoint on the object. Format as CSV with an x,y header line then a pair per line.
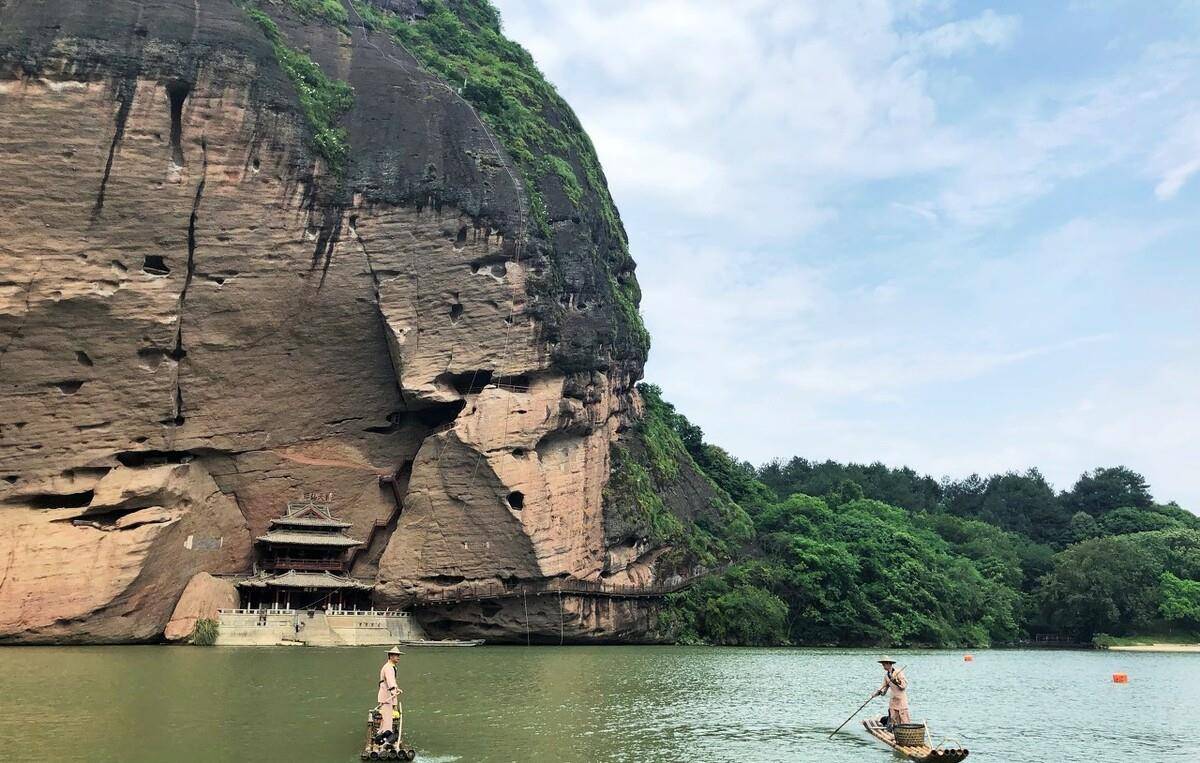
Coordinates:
x,y
525,598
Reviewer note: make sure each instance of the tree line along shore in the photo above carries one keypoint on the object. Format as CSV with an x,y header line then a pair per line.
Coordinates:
x,y
850,554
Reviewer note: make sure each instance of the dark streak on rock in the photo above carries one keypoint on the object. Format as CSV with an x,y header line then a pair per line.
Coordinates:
x,y
125,92
178,353
327,239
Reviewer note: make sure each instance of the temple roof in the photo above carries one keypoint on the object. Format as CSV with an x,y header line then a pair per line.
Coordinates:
x,y
309,513
309,522
307,539
293,579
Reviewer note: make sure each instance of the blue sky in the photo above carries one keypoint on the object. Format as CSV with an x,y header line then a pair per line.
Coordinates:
x,y
950,235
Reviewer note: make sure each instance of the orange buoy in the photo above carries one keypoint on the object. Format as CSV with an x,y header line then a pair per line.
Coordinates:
x,y
1120,678
968,658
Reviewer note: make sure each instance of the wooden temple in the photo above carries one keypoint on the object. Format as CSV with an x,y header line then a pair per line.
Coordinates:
x,y
302,563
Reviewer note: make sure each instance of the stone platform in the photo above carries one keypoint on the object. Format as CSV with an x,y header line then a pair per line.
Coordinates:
x,y
278,627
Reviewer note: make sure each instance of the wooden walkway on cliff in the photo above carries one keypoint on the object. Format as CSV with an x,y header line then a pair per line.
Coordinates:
x,y
492,590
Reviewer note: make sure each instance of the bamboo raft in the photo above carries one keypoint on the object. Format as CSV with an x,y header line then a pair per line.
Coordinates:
x,y
924,752
399,750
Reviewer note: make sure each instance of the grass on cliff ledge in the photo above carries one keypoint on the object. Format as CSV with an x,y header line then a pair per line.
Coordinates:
x,y
461,42
322,99
636,486
331,11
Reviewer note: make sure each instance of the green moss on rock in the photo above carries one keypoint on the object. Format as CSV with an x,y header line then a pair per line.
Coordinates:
x,y
330,11
658,492
461,42
322,99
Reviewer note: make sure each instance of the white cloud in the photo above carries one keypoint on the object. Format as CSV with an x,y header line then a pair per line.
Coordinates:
x,y
1178,159
874,230
989,29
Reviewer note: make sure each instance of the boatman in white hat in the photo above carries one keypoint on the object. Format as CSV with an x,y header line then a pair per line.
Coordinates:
x,y
388,697
895,685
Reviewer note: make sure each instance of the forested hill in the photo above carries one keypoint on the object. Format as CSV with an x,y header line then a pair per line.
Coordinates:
x,y
867,554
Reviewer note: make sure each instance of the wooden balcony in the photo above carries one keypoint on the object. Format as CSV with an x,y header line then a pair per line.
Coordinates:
x,y
305,565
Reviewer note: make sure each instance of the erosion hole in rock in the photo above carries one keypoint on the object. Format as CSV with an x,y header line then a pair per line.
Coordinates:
x,y
516,500
518,383
456,311
149,358
177,93
488,261
395,420
11,479
57,500
155,265
83,358
135,458
69,387
439,414
467,382
500,269
519,452
461,238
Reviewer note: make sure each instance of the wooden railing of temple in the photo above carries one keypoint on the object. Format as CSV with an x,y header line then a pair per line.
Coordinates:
x,y
306,565
466,592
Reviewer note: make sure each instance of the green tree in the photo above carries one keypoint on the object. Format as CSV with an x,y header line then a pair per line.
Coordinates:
x,y
1180,600
898,487
1103,585
1084,527
1021,503
1106,489
1129,520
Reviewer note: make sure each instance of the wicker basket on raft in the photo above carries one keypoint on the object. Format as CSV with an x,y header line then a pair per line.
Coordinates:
x,y
909,734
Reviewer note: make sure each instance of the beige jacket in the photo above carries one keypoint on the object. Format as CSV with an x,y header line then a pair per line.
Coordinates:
x,y
388,688
896,687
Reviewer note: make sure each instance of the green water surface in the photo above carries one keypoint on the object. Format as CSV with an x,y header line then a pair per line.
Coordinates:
x,y
186,704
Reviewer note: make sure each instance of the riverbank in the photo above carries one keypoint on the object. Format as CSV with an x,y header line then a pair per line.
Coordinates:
x,y
1180,642
1156,648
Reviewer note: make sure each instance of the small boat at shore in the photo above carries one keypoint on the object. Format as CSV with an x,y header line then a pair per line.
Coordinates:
x,y
444,642
920,752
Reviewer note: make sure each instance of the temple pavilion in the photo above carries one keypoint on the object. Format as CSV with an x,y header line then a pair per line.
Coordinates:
x,y
303,564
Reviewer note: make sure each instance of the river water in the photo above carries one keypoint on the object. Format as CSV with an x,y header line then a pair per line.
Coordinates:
x,y
185,704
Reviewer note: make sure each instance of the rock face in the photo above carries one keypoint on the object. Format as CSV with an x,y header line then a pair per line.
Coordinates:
x,y
201,599
112,570
201,317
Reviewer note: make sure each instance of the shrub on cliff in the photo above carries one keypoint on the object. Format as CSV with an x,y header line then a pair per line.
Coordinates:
x,y
717,611
204,633
659,491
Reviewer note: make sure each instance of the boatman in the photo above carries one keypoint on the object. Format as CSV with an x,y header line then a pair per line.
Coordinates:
x,y
388,697
895,685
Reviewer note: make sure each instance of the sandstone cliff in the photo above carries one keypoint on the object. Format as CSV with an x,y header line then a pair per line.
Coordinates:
x,y
249,250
